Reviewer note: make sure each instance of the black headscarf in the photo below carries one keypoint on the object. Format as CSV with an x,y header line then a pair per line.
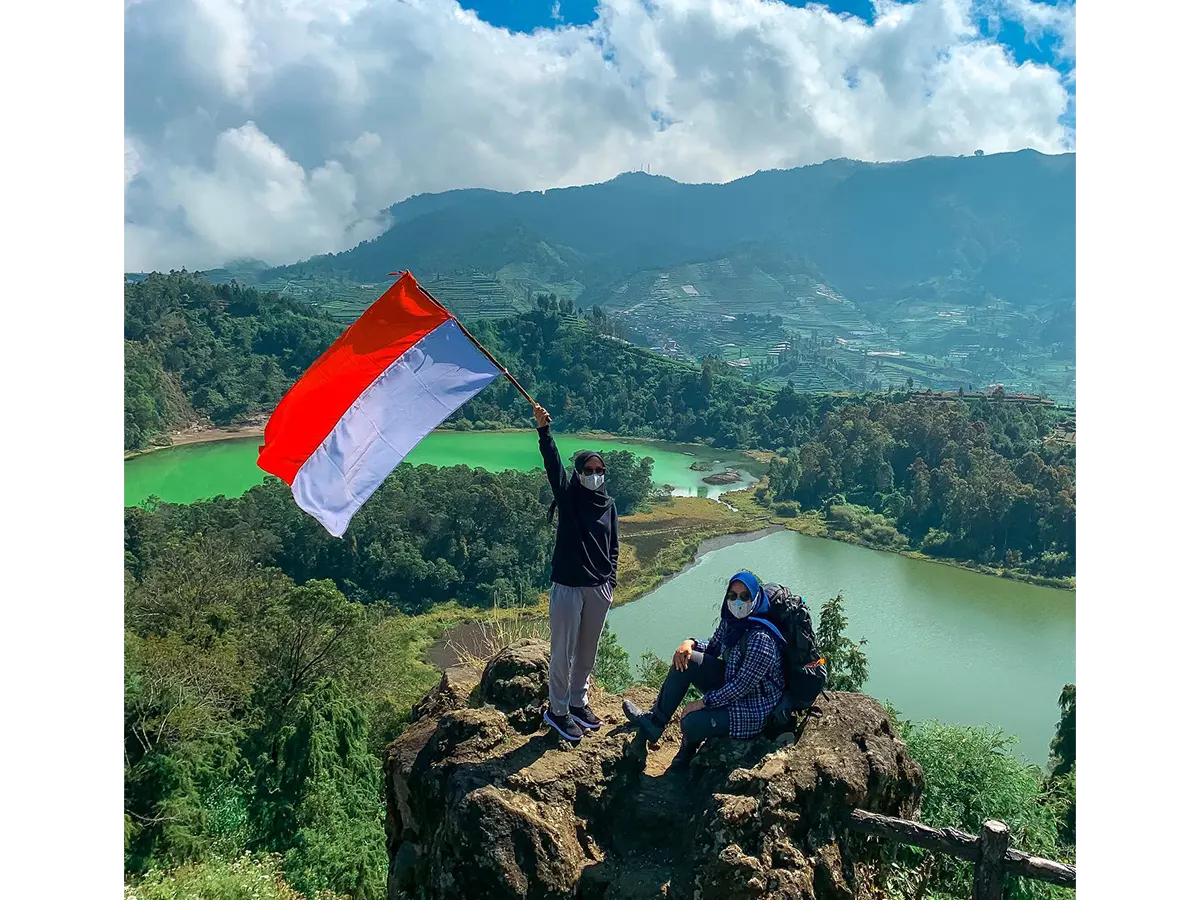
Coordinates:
x,y
583,498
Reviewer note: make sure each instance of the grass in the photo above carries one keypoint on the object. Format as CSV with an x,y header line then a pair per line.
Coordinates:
x,y
243,877
658,543
499,628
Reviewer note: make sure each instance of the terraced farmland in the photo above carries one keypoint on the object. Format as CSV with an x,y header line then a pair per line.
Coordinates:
x,y
473,296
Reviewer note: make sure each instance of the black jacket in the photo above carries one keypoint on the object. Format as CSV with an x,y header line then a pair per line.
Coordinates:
x,y
585,548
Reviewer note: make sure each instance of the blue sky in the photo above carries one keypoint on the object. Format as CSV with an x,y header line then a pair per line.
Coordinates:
x,y
996,20
526,15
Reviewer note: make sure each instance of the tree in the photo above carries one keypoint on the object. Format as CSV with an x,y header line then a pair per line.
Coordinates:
x,y
612,663
1062,745
313,635
844,659
1061,784
316,794
628,480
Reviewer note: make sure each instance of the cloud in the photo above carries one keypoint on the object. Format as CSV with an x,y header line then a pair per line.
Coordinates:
x,y
1041,20
279,129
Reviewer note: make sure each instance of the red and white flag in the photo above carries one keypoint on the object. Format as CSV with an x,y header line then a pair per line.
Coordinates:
x,y
392,377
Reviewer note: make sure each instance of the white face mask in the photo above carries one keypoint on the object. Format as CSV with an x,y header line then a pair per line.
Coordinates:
x,y
592,482
739,609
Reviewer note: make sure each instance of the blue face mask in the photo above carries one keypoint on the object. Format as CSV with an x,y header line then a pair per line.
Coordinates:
x,y
592,482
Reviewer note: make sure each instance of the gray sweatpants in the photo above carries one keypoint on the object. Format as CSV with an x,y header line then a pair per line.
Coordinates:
x,y
576,619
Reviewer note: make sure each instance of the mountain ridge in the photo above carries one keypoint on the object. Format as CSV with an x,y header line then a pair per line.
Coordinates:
x,y
674,222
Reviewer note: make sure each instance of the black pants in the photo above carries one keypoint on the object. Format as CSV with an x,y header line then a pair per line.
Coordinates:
x,y
707,675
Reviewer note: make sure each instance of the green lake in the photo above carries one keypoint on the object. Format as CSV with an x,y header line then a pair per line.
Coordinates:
x,y
942,642
199,471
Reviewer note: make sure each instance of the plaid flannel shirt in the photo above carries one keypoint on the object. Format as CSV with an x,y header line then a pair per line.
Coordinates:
x,y
753,680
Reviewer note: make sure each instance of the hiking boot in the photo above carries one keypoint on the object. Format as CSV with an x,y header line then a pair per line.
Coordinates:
x,y
564,725
647,722
683,758
585,718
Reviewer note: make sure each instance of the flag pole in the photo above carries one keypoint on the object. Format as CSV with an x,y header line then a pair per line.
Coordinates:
x,y
482,349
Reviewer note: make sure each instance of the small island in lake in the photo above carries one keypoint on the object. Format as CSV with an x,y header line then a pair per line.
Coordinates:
x,y
700,467
729,476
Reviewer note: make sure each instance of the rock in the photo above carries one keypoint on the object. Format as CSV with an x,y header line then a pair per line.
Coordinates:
x,y
480,804
516,681
452,692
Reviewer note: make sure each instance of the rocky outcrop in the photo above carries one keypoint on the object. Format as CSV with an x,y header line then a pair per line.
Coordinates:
x,y
483,802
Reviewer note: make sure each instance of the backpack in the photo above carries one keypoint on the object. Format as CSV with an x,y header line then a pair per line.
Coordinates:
x,y
804,672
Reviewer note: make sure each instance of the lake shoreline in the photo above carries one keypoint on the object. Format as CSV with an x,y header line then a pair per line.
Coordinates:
x,y
212,433
751,517
707,545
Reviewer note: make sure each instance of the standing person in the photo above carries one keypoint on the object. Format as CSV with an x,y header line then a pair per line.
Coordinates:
x,y
739,669
583,574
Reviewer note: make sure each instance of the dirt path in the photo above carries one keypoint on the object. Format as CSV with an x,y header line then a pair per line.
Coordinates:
x,y
207,435
204,436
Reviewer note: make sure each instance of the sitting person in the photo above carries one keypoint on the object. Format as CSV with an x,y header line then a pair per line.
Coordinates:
x,y
740,690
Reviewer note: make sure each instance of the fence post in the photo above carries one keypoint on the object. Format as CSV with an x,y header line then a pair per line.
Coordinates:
x,y
989,871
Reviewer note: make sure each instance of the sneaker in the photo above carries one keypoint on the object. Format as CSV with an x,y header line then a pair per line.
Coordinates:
x,y
564,725
645,721
585,717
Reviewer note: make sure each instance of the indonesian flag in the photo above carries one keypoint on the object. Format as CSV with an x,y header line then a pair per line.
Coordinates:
x,y
392,377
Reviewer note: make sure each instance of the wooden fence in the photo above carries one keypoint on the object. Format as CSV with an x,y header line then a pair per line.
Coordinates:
x,y
989,851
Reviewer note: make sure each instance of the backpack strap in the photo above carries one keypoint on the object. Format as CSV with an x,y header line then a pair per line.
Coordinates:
x,y
770,626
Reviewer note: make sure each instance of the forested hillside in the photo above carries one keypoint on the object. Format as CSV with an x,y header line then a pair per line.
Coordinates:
x,y
1003,223
974,481
196,351
940,272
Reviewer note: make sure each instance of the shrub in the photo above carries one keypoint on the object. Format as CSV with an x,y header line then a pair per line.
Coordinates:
x,y
244,877
788,510
970,776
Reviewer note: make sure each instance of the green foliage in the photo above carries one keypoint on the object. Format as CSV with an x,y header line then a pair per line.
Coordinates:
x,y
589,382
254,713
194,349
652,670
317,793
428,535
1061,783
1062,745
244,877
612,663
871,528
787,510
1060,791
970,482
845,660
970,776
628,480
962,480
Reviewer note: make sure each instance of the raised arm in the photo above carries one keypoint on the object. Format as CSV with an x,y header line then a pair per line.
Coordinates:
x,y
615,547
555,472
760,655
